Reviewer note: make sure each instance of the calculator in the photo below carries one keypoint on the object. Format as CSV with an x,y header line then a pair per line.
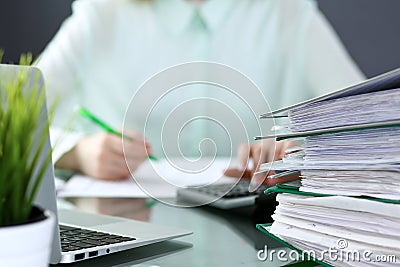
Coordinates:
x,y
237,196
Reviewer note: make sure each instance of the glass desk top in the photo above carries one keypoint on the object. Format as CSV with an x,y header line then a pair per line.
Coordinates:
x,y
220,238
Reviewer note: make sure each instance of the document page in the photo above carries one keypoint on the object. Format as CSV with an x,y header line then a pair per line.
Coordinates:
x,y
162,177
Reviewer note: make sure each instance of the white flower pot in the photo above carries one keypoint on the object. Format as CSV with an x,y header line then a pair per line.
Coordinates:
x,y
27,244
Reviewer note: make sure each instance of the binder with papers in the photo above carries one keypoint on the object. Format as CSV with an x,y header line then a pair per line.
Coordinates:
x,y
368,149
294,187
382,82
348,157
354,132
358,228
266,228
294,135
374,103
372,107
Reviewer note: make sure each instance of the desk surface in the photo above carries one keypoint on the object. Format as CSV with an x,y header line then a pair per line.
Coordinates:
x,y
220,238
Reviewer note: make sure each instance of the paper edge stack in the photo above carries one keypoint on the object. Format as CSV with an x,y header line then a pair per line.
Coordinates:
x,y
387,81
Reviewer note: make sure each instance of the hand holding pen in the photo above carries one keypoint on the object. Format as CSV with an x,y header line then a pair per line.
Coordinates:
x,y
102,155
87,114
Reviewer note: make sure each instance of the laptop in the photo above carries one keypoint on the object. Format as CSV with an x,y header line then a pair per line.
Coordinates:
x,y
79,235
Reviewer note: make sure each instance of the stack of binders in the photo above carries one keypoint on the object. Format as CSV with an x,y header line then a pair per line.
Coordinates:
x,y
345,210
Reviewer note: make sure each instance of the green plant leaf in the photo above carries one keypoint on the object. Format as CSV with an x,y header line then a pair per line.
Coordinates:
x,y
23,161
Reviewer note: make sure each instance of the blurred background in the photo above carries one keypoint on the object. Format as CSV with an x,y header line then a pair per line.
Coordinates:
x,y
368,28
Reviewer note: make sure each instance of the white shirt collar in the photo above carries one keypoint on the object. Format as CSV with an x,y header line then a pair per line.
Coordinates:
x,y
214,12
176,15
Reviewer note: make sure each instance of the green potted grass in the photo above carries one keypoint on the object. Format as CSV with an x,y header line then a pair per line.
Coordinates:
x,y
25,229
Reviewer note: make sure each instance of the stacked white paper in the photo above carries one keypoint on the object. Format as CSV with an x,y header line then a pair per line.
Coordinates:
x,y
358,109
373,183
349,151
344,225
363,162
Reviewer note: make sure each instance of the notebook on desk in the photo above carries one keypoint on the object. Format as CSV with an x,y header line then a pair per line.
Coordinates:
x,y
80,235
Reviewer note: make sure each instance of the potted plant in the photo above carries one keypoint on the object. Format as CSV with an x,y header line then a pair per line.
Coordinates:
x,y
25,229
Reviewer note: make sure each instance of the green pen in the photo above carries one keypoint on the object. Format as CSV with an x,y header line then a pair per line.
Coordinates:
x,y
87,114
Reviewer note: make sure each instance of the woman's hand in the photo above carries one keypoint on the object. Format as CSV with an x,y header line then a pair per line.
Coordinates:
x,y
102,156
259,153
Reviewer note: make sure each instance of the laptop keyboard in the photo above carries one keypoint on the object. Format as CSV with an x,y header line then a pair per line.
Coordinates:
x,y
74,238
241,189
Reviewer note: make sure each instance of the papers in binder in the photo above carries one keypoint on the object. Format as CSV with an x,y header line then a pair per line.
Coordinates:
x,y
349,162
353,110
373,183
382,82
317,223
